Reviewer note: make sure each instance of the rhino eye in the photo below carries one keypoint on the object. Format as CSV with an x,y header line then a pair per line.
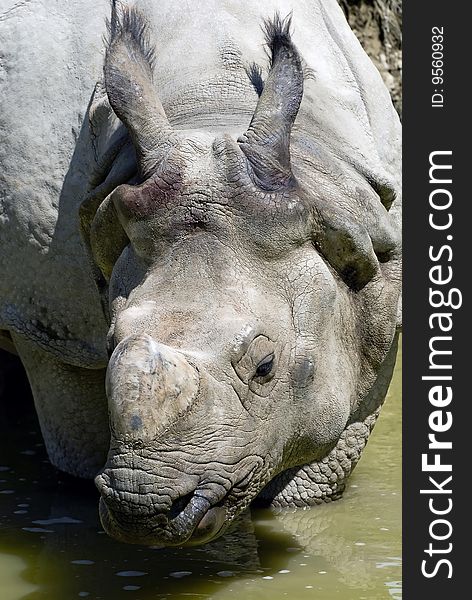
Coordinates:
x,y
265,366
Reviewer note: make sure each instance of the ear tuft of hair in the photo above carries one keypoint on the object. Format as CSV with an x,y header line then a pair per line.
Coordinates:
x,y
127,22
254,72
266,142
277,35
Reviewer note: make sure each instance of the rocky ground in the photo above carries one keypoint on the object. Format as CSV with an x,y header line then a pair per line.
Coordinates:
x,y
378,25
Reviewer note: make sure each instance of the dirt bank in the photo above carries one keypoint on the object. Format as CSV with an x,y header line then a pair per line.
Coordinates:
x,y
378,25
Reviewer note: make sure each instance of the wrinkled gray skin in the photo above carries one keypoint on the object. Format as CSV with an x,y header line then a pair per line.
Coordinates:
x,y
247,273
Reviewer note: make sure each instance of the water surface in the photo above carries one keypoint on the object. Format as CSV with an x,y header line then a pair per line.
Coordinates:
x,y
52,546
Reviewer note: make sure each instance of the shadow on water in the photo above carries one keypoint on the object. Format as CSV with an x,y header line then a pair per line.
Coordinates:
x,y
52,545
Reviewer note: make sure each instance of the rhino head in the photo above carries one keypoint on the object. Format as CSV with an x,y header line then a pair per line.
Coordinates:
x,y
250,308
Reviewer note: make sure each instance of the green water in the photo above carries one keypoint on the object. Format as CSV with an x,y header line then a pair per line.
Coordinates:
x,y
52,546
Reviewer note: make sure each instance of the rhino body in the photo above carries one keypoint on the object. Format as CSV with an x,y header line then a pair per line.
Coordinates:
x,y
200,258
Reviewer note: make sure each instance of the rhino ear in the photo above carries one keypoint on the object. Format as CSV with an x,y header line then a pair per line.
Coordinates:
x,y
266,143
128,72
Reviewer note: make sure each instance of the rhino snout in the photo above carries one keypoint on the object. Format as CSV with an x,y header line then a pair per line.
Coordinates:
x,y
149,386
190,519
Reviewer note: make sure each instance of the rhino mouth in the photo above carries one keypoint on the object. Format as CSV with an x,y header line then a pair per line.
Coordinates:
x,y
197,523
192,519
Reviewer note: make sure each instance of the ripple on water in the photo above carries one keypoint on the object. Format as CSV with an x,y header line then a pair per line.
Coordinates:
x,y
131,573
57,521
180,574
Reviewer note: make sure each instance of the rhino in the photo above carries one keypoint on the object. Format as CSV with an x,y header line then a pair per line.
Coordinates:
x,y
200,251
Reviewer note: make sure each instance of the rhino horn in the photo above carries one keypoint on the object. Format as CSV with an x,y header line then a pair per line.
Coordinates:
x,y
128,74
266,143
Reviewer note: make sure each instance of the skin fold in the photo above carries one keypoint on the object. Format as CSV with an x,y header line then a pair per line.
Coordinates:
x,y
210,234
